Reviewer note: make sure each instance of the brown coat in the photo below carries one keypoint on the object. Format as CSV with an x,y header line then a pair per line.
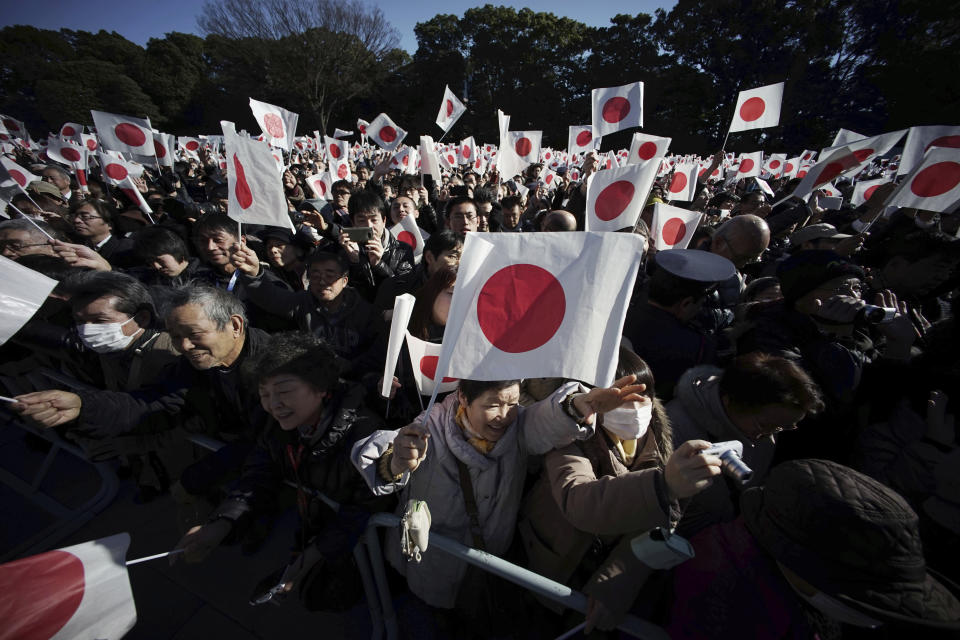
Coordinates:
x,y
587,494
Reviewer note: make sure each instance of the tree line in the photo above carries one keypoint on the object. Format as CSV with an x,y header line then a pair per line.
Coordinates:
x,y
868,67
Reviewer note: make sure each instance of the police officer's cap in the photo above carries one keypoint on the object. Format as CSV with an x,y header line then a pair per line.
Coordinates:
x,y
696,265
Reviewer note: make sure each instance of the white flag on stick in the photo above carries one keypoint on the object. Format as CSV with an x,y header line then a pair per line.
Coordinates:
x,y
581,139
255,190
164,145
279,125
922,139
758,108
123,133
450,110
424,357
321,185
673,227
934,184
429,162
402,308
750,164
386,133
683,184
22,291
407,232
616,108
615,197
647,148
864,190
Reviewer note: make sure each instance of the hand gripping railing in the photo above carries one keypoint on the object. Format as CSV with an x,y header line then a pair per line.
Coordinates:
x,y
384,617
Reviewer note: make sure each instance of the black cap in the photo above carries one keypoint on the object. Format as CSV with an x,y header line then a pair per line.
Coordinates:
x,y
695,265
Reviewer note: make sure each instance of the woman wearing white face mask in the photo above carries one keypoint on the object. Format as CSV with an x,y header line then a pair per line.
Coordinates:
x,y
595,495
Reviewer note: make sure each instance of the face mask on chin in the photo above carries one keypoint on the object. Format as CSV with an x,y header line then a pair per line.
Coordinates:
x,y
629,423
105,338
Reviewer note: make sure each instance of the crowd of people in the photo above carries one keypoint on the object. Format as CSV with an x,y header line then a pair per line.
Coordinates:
x,y
818,347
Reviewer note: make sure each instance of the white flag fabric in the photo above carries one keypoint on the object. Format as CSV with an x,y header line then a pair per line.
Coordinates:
x,y
750,164
683,184
863,190
338,158
522,300
526,146
468,150
321,185
616,197
934,184
123,133
90,141
279,125
22,291
847,160
71,130
921,139
68,152
385,132
844,136
758,108
617,108
340,133
22,176
775,163
673,227
581,139
402,308
362,127
116,170
190,147
429,162
791,168
549,178
255,190
164,145
647,148
407,232
424,357
448,159
450,110
765,187
75,593
868,148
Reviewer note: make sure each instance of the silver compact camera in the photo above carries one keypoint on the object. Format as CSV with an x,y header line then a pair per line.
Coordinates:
x,y
731,459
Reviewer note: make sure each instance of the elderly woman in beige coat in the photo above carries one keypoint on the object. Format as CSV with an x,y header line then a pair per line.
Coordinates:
x,y
596,494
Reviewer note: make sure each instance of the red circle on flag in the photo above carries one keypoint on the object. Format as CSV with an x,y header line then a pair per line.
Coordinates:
x,y
407,238
92,144
862,154
4,136
523,146
335,151
342,171
548,179
273,124
320,186
801,174
869,192
477,163
521,307
615,109
944,141
774,164
19,177
159,149
788,168
678,183
68,131
242,188
406,160
936,180
428,367
614,199
116,171
806,156
388,134
584,138
752,109
547,156
451,159
829,172
55,577
449,108
10,124
647,150
69,153
673,231
130,134
193,145
746,165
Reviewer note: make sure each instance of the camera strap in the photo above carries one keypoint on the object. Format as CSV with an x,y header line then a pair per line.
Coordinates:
x,y
470,501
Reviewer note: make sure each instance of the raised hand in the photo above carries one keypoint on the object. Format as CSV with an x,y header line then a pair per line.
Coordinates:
x,y
409,448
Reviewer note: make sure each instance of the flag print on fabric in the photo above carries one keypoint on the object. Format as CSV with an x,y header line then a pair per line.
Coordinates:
x,y
424,357
451,108
757,108
673,227
163,146
123,133
407,232
922,139
775,163
617,108
279,126
521,300
526,146
81,591
21,176
383,131
255,190
338,157
934,185
864,190
646,148
683,184
320,184
615,197
581,139
750,164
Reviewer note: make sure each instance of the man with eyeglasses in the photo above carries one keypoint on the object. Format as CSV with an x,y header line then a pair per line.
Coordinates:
x,y
20,238
93,225
462,215
382,256
336,211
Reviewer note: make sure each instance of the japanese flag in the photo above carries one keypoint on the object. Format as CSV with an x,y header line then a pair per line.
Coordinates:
x,y
404,160
867,149
254,185
124,134
163,145
21,176
790,168
424,357
14,128
549,178
340,133
468,151
775,163
362,127
758,108
78,592
90,141
683,184
921,139
279,125
448,159
429,162
320,184
385,133
845,161
615,197
750,164
809,155
764,187
844,136
116,170
71,130
450,110
581,139
863,191
338,158
67,152
480,164
522,300
617,108
526,146
673,227
407,232
934,184
647,148
189,146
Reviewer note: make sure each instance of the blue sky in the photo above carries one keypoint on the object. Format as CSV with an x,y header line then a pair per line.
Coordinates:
x,y
140,20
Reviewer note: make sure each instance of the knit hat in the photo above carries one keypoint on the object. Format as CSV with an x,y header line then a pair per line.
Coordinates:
x,y
805,271
852,538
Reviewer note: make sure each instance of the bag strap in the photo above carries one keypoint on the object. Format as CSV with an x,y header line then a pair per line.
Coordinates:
x,y
469,498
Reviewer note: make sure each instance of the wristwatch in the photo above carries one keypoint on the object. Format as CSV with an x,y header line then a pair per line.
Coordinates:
x,y
571,409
